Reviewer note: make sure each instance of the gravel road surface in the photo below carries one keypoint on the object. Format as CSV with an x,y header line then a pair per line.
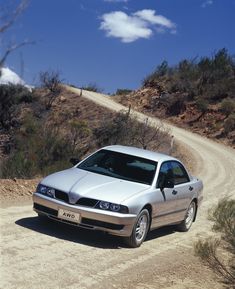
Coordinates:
x,y
36,254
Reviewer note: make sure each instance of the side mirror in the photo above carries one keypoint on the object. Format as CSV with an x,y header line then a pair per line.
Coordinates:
x,y
169,184
74,161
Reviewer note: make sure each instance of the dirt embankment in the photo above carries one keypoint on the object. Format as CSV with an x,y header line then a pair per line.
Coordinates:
x,y
15,191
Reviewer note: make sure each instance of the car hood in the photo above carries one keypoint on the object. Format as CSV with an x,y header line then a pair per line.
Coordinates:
x,y
79,183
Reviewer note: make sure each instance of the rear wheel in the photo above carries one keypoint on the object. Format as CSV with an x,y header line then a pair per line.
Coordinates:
x,y
185,225
140,229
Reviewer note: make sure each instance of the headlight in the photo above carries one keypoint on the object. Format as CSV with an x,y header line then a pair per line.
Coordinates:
x,y
104,205
112,207
42,189
46,191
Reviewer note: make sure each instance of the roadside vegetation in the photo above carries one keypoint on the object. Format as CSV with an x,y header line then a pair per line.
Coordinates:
x,y
219,253
198,93
41,129
93,87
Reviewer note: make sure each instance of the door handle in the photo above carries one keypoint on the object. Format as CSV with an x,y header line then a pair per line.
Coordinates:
x,y
174,192
190,188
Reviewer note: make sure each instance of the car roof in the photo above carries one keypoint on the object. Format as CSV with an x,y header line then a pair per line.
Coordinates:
x,y
155,156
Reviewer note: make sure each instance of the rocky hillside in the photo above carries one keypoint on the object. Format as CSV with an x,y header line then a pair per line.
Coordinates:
x,y
198,95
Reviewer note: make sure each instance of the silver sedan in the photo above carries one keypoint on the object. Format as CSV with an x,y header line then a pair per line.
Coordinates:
x,y
121,190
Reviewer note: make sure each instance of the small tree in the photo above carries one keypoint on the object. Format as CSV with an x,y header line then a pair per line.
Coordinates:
x,y
52,83
210,251
79,131
202,105
8,16
146,134
228,106
125,129
229,124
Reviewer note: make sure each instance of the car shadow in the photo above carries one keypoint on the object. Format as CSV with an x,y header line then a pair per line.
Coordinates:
x,y
70,233
160,232
74,234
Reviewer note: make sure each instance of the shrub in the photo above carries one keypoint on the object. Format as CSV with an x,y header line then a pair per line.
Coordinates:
x,y
228,106
202,104
229,124
125,129
123,91
93,87
39,149
175,105
211,250
161,71
51,81
77,132
10,96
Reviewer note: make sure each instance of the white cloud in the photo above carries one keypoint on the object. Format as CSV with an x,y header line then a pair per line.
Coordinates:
x,y
140,24
207,3
150,16
119,24
7,76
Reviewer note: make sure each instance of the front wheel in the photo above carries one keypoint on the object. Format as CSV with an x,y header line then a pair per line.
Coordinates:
x,y
140,229
185,225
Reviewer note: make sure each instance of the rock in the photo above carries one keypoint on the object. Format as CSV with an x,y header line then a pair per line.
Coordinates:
x,y
62,98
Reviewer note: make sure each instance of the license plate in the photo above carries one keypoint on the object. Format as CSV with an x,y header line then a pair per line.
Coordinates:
x,y
68,215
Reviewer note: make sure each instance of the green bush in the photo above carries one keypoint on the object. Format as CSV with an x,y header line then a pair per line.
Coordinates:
x,y
123,91
229,124
212,250
38,150
202,104
10,96
211,78
175,105
93,87
125,129
228,106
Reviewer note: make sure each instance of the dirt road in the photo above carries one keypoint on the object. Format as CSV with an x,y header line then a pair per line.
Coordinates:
x,y
52,255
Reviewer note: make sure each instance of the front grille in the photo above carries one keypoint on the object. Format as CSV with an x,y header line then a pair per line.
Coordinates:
x,y
87,202
45,209
96,223
61,196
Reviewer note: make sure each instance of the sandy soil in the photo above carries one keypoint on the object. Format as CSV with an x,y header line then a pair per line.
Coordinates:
x,y
15,191
36,254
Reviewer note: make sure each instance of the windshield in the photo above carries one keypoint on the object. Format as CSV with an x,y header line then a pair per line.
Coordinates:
x,y
121,166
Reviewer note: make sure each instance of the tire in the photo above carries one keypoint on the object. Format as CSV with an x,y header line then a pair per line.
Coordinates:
x,y
140,230
186,224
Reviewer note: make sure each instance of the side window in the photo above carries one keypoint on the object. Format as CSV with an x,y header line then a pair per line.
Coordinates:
x,y
165,173
180,174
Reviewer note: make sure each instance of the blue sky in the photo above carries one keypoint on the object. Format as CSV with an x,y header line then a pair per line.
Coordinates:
x,y
116,43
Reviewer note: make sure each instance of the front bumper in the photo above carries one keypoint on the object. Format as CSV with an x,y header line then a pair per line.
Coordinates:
x,y
91,218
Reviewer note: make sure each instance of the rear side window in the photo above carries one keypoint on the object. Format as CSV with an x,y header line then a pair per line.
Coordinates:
x,y
179,172
172,171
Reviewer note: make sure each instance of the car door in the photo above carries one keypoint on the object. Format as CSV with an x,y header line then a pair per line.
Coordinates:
x,y
165,208
182,186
